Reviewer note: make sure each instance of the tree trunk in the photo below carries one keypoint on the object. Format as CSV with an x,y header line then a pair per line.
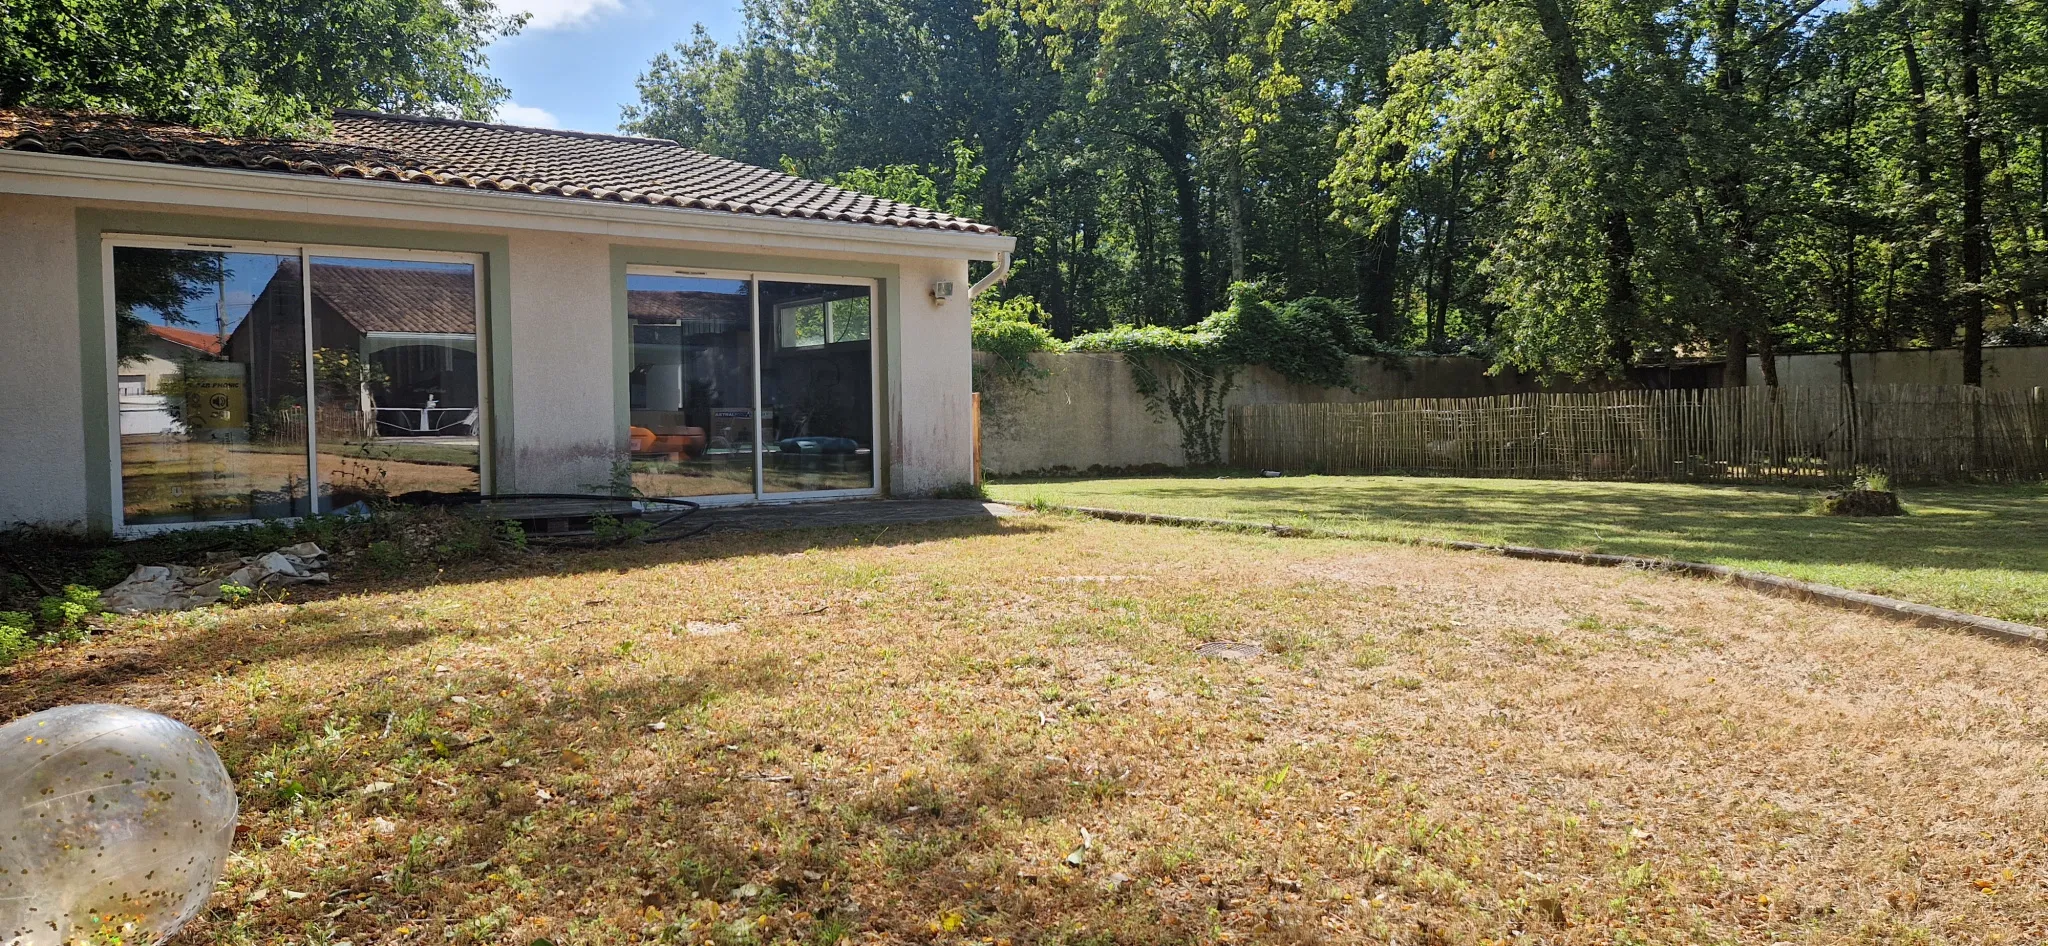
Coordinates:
x,y
1569,73
1975,242
1173,149
1446,257
1850,317
1851,294
1234,177
1621,291
1735,369
1929,295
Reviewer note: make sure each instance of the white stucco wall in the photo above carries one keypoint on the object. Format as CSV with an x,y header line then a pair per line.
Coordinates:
x,y
564,420
42,414
563,417
931,379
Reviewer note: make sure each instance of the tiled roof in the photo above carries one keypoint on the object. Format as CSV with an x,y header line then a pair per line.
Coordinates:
x,y
667,305
373,297
478,156
395,299
207,342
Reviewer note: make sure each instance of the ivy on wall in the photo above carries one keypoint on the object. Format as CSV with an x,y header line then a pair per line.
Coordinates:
x,y
1186,374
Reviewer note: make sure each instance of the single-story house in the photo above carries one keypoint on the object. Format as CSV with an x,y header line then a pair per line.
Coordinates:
x,y
210,329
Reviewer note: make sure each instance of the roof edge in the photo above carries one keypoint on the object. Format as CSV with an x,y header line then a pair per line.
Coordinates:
x,y
226,189
501,126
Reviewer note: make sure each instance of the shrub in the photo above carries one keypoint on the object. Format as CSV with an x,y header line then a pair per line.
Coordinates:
x,y
1012,330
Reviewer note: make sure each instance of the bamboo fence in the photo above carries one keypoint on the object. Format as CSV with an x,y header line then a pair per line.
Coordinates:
x,y
1914,433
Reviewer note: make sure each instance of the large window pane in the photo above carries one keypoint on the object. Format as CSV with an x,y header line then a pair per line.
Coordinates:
x,y
817,387
212,385
691,387
395,379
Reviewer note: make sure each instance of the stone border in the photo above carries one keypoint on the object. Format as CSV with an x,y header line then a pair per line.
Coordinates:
x,y
1776,585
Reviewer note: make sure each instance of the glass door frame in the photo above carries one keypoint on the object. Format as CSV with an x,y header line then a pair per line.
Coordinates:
x,y
876,328
486,432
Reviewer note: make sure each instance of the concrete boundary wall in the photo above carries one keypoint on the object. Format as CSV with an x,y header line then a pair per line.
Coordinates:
x,y
1085,410
2013,368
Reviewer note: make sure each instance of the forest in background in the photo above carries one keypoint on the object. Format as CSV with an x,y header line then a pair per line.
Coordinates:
x,y
1569,187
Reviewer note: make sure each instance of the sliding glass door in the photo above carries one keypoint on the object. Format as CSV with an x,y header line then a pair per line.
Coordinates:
x,y
690,389
747,385
212,353
817,387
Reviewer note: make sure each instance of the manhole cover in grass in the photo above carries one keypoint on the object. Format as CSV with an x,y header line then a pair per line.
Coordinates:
x,y
1231,650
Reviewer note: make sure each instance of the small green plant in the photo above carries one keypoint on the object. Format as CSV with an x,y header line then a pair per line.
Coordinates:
x,y
15,641
609,528
513,534
1875,480
619,482
63,616
236,595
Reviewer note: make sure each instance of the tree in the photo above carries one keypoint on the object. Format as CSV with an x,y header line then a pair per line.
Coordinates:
x,y
1576,187
254,66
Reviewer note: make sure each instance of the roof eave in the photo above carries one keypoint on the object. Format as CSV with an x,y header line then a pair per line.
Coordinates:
x,y
94,178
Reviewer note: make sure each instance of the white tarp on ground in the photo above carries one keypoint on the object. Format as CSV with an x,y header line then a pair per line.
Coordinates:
x,y
184,587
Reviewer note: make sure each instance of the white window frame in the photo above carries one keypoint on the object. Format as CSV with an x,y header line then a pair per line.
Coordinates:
x,y
486,428
753,280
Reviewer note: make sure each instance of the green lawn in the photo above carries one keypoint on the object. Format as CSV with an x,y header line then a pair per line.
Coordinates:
x,y
1982,549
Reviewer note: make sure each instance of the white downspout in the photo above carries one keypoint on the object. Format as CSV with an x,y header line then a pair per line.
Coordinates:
x,y
995,276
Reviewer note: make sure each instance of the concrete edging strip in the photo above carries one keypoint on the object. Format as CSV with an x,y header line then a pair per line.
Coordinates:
x,y
1763,582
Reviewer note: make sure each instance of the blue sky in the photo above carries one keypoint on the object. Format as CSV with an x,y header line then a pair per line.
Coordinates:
x,y
575,63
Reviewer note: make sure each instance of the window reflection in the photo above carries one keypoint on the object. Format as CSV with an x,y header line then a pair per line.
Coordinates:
x,y
211,385
399,407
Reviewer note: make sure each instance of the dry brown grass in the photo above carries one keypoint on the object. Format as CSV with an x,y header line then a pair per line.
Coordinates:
x,y
970,733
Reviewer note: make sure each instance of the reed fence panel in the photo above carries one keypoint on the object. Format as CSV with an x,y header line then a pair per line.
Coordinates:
x,y
1914,433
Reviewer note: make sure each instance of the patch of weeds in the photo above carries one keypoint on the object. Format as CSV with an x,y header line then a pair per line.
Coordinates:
x,y
387,558
1368,656
406,878
1594,623
486,928
962,490
831,930
236,595
970,747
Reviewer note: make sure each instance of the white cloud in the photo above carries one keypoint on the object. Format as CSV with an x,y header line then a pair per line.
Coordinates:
x,y
552,14
513,113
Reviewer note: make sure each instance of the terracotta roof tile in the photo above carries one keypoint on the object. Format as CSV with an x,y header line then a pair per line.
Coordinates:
x,y
207,342
475,155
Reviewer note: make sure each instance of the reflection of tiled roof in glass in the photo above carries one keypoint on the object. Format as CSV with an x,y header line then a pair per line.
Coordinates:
x,y
673,305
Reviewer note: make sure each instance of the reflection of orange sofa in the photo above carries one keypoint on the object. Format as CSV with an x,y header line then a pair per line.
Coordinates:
x,y
685,443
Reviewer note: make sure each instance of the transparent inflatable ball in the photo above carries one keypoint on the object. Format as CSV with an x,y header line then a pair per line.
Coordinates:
x,y
114,826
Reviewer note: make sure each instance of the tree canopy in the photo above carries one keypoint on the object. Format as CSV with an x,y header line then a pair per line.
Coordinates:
x,y
1575,186
263,66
